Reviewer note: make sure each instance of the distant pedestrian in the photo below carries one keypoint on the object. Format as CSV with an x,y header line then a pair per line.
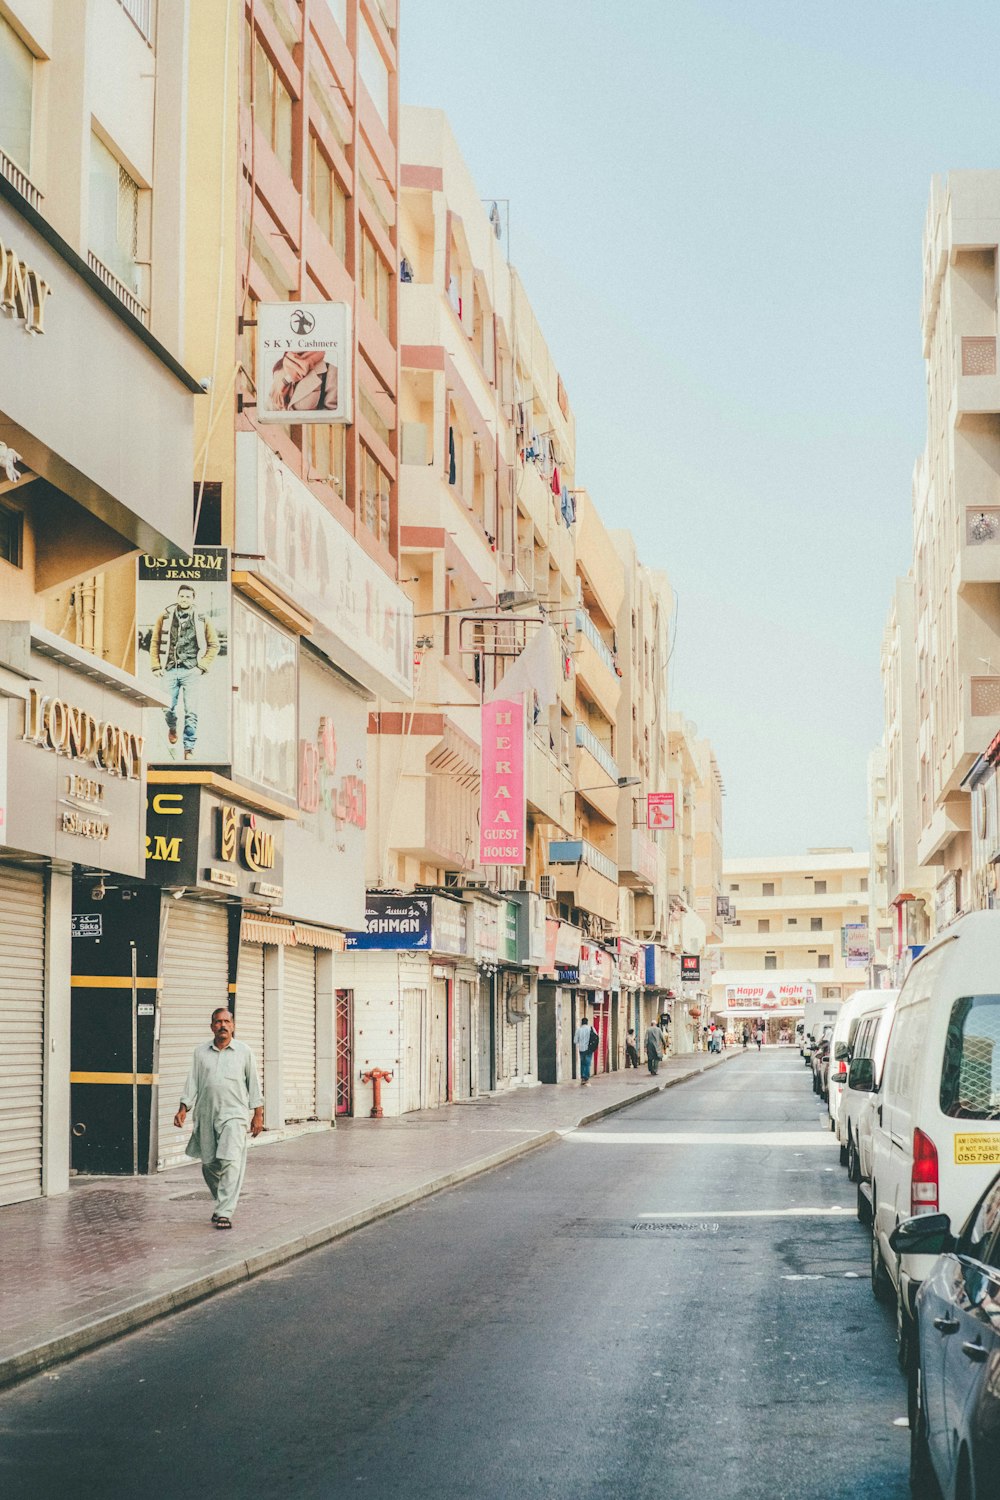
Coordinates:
x,y
585,1041
653,1042
759,1038
631,1049
746,1037
223,1089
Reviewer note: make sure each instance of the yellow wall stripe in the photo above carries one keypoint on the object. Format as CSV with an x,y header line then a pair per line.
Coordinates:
x,y
112,982
114,1078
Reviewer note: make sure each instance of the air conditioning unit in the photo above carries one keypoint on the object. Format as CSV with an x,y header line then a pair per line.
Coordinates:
x,y
472,883
547,887
524,885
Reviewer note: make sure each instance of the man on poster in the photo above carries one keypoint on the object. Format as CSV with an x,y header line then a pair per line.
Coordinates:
x,y
182,647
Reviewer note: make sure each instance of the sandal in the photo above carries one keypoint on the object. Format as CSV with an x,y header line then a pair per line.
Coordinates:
x,y
222,1223
215,1218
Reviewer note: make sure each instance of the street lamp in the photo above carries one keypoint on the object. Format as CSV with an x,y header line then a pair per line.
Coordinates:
x,y
620,784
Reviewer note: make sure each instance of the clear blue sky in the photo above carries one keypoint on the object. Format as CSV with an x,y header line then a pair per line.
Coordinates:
x,y
716,207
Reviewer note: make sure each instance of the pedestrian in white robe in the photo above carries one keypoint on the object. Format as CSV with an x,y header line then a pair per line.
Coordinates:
x,y
223,1089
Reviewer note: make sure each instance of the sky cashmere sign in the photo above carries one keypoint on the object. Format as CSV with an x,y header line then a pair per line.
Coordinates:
x,y
502,810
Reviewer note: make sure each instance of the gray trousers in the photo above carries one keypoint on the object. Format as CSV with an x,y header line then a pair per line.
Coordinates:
x,y
224,1173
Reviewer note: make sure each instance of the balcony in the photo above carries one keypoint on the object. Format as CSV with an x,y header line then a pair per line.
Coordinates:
x,y
585,876
595,774
639,859
980,546
126,296
549,784
20,180
587,740
977,385
595,665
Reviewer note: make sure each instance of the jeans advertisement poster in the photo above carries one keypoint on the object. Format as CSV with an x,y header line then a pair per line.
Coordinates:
x,y
182,650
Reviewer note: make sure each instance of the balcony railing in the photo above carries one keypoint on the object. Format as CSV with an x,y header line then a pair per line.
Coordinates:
x,y
984,693
580,851
20,180
124,294
588,740
141,13
979,355
585,626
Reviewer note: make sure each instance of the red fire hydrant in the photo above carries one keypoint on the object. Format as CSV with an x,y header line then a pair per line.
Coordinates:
x,y
374,1077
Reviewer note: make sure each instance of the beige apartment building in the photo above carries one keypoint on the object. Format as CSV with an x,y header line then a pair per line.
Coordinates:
x,y
910,885
956,498
800,934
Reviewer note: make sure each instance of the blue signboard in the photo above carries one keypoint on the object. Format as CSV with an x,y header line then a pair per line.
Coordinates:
x,y
394,922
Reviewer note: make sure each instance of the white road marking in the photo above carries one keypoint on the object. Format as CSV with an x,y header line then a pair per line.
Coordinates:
x,y
703,1138
834,1211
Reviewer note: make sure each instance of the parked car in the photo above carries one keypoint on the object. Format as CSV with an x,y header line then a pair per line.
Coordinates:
x,y
864,1077
820,1061
954,1383
863,1004
936,1124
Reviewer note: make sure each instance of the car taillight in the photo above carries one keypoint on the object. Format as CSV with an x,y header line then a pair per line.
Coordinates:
x,y
924,1179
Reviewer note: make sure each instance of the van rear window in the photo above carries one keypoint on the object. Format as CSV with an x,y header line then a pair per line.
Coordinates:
x,y
970,1078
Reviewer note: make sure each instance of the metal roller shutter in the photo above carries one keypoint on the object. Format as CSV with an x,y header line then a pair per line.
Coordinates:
x,y
195,970
250,1002
298,1038
22,1016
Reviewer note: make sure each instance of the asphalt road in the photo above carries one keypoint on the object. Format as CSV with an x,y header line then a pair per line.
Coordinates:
x,y
644,1309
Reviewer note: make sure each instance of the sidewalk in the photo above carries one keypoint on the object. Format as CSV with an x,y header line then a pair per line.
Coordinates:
x,y
115,1253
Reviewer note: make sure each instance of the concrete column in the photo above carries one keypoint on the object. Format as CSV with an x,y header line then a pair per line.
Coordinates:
x,y
58,1000
274,1005
326,1037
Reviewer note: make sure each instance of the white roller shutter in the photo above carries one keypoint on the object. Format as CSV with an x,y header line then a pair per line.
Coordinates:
x,y
250,1002
22,1014
195,971
298,1034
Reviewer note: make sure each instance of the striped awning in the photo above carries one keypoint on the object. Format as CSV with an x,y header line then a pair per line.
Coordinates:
x,y
261,929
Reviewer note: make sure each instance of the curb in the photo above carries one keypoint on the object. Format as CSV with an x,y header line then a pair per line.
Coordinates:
x,y
22,1366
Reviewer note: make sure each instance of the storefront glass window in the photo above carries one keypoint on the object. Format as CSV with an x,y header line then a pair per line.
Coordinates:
x,y
17,68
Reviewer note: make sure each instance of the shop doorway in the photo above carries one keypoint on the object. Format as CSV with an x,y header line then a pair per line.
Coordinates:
x,y
486,1035
115,944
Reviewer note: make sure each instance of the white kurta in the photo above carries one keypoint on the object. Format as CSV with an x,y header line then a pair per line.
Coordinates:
x,y
223,1088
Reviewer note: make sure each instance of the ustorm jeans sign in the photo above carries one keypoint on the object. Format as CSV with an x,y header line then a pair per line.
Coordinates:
x,y
503,811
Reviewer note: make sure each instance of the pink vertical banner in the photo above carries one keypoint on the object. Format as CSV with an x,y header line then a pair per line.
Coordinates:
x,y
502,808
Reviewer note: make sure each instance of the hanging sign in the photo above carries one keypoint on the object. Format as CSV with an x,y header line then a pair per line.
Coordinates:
x,y
303,362
503,809
660,811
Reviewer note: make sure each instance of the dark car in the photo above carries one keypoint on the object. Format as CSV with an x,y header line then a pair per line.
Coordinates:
x,y
821,1065
954,1385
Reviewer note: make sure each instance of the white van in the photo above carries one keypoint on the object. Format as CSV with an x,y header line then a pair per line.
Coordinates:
x,y
936,1126
842,1045
864,1079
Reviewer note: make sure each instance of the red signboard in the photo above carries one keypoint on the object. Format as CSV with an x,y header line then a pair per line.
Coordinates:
x,y
503,810
660,811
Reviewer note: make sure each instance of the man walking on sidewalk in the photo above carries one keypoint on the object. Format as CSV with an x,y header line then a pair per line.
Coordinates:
x,y
224,1090
585,1041
654,1047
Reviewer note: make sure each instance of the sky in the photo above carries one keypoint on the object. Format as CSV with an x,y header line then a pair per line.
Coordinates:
x,y
716,207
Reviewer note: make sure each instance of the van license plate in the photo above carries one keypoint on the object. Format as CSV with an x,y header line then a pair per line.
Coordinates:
x,y
978,1150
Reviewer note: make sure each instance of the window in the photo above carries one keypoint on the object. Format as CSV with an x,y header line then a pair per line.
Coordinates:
x,y
373,71
864,883
820,888
114,215
793,921
17,69
734,887
375,280
770,960
815,924
327,199
823,962
768,888
763,924
11,536
375,498
970,1076
327,454
273,109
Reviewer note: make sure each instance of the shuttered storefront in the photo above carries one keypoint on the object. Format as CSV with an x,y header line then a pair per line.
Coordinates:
x,y
195,973
22,1000
249,1007
298,1038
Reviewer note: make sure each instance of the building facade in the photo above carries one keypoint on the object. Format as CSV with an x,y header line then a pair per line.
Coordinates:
x,y
800,935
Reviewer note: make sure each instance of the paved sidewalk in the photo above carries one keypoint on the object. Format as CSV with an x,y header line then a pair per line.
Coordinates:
x,y
115,1253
